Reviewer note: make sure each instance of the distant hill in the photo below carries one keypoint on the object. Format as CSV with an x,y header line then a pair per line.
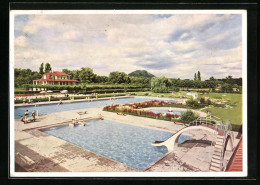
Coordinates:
x,y
141,73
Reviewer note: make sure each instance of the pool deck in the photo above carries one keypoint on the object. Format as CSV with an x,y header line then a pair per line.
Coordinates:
x,y
36,151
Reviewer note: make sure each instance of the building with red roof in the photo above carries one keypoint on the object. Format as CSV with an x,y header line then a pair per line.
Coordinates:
x,y
55,78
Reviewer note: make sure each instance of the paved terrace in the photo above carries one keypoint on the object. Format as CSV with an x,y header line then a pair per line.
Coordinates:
x,y
38,151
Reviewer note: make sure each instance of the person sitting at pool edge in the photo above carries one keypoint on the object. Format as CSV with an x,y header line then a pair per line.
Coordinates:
x,y
100,116
73,122
22,120
33,115
60,102
26,114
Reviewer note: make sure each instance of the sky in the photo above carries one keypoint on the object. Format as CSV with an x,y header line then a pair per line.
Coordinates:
x,y
173,45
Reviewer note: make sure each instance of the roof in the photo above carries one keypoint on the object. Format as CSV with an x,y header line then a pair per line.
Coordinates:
x,y
56,80
236,164
57,73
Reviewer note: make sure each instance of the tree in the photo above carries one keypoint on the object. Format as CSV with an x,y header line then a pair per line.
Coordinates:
x,y
118,77
227,88
25,76
230,80
140,80
47,68
195,76
75,74
212,78
101,79
160,84
199,77
41,69
67,71
86,75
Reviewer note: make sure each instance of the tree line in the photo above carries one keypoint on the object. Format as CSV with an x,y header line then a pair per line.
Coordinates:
x,y
85,76
157,84
164,84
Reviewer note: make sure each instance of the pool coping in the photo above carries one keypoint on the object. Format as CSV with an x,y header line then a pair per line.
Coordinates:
x,y
69,101
93,99
54,125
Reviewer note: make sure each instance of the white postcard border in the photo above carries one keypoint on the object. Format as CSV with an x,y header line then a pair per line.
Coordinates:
x,y
244,173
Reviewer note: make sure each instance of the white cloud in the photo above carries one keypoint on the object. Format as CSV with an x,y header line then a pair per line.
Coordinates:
x,y
184,35
20,41
71,35
129,42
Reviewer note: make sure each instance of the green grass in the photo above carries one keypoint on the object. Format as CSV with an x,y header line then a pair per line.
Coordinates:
x,y
233,114
20,89
168,95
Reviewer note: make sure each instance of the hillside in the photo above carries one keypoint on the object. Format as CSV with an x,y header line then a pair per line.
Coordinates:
x,y
141,73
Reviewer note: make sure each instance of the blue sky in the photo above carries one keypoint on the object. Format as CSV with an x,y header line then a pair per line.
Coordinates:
x,y
176,45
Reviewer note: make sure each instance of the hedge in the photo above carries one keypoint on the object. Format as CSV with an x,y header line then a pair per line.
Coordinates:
x,y
85,87
91,88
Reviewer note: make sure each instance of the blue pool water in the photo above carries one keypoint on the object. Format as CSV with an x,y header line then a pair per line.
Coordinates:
x,y
46,109
166,111
131,145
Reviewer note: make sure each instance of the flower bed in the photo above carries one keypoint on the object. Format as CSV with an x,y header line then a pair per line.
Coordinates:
x,y
134,109
154,103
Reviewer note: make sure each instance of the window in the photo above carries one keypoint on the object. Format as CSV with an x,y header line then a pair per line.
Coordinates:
x,y
44,77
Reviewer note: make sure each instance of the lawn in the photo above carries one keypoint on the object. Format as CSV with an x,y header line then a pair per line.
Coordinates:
x,y
233,114
169,95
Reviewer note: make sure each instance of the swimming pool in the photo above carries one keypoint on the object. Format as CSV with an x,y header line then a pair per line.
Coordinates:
x,y
178,112
46,109
128,144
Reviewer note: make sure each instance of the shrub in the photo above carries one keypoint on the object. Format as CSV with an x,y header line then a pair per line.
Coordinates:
x,y
193,104
188,116
176,89
18,101
209,102
79,97
202,100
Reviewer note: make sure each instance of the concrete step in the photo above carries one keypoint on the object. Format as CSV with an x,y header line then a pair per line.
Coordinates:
x,y
217,150
215,161
216,157
216,165
212,168
219,146
219,143
220,139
